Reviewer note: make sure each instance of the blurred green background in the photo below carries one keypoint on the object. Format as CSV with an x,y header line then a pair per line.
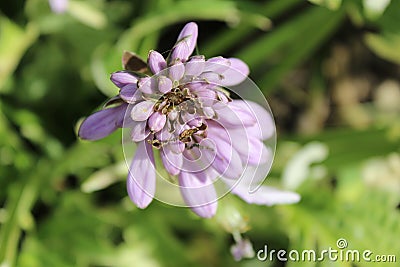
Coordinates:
x,y
329,69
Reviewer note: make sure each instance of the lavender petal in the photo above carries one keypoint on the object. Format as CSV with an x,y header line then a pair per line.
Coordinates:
x,y
164,84
234,114
171,161
217,65
147,85
236,73
185,43
142,110
130,94
156,62
176,71
139,131
141,182
157,121
263,195
101,123
266,195
227,161
199,196
251,149
195,66
265,126
122,78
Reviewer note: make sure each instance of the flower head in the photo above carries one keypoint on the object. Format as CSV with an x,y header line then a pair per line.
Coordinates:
x,y
180,106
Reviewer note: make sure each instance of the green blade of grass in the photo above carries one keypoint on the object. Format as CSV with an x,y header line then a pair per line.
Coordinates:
x,y
314,35
226,39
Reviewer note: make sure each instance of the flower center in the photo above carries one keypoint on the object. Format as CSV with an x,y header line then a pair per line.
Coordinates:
x,y
167,102
186,136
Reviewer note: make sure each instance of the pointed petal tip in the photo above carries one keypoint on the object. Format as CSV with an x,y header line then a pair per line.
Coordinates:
x,y
186,42
122,78
156,62
101,123
207,211
199,195
140,202
266,195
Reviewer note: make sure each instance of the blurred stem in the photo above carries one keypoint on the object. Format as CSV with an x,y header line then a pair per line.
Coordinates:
x,y
19,204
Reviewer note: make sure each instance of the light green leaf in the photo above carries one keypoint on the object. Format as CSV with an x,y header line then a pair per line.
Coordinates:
x,y
105,177
385,46
14,41
331,4
374,9
87,14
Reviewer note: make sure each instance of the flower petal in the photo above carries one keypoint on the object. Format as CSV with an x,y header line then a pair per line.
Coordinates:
x,y
242,249
102,123
265,126
177,147
176,71
234,115
171,161
195,160
195,66
266,195
157,121
122,78
227,161
213,78
156,62
142,110
199,196
261,195
251,149
185,43
236,73
217,64
164,84
141,182
139,130
147,85
206,96
130,94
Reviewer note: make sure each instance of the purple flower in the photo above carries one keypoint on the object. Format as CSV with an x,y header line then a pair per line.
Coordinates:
x,y
58,6
179,106
242,249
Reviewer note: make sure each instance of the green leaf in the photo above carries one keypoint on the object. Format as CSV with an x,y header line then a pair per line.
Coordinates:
x,y
307,31
14,41
87,13
385,45
331,4
226,39
181,11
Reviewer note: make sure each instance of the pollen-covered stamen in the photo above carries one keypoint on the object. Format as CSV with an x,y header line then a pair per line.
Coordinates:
x,y
186,136
173,99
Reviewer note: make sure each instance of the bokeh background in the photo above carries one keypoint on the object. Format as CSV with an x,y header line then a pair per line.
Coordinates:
x,y
329,69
